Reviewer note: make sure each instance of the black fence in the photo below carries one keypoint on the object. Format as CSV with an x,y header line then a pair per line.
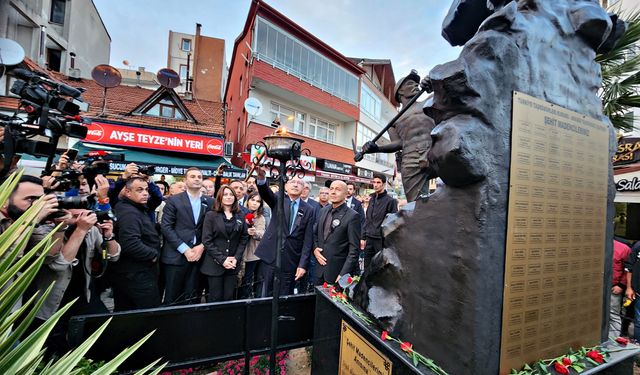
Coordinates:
x,y
197,335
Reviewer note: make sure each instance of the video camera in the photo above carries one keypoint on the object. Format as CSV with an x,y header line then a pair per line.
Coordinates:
x,y
52,110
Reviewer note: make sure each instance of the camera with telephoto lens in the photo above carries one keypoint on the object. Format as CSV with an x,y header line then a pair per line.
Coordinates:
x,y
76,202
105,215
67,180
148,170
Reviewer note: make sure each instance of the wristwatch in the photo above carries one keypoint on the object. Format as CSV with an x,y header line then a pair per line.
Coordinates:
x,y
110,238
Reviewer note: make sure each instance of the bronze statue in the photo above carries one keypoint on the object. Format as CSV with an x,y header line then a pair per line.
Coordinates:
x,y
410,137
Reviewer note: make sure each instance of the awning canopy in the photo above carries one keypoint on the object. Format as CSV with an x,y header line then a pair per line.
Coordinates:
x,y
165,164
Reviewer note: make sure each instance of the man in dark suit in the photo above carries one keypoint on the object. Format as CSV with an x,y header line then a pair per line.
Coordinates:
x,y
337,237
181,226
298,223
353,203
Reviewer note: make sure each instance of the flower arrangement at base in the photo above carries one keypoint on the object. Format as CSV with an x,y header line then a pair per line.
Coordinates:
x,y
577,361
405,346
258,365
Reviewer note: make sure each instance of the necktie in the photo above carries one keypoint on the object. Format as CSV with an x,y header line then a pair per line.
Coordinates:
x,y
292,217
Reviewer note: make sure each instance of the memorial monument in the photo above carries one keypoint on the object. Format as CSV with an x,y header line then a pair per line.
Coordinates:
x,y
509,260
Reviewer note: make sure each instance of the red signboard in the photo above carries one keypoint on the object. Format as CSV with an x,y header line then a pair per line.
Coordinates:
x,y
127,136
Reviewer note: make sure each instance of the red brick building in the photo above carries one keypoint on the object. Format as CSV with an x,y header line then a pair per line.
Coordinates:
x,y
311,88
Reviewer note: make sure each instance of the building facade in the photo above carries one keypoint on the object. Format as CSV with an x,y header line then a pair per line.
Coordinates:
x,y
295,80
65,36
201,63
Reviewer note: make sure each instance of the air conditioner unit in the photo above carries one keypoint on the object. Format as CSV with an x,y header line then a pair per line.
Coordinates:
x,y
74,73
228,149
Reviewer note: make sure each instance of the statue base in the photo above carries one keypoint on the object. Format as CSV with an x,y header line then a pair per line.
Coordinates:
x,y
345,344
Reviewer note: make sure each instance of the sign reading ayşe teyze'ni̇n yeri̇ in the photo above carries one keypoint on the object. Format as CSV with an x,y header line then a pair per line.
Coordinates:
x,y
555,232
358,356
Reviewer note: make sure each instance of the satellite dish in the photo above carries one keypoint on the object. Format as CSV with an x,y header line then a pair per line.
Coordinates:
x,y
11,53
106,76
168,78
253,106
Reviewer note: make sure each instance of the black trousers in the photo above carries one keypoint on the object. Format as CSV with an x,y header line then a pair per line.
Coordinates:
x,y
287,281
252,279
222,288
135,290
181,283
372,247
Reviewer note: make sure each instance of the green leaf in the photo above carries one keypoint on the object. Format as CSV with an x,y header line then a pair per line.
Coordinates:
x,y
415,359
112,365
527,367
593,362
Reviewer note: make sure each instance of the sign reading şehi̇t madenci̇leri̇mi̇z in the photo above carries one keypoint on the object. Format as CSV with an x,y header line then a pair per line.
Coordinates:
x,y
358,356
119,135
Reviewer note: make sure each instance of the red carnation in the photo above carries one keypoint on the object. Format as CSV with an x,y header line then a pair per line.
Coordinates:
x,y
384,336
248,218
560,368
406,346
349,279
622,341
325,285
566,361
596,356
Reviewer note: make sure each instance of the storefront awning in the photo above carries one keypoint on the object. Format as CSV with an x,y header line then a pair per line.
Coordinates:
x,y
165,164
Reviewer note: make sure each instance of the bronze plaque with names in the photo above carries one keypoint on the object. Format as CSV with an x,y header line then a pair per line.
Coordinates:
x,y
555,232
358,356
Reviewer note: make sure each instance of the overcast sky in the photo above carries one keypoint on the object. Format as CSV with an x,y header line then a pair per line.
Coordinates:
x,y
405,31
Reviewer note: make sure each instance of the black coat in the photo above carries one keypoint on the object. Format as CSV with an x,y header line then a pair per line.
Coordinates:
x,y
379,206
219,245
357,207
179,227
297,244
341,245
138,238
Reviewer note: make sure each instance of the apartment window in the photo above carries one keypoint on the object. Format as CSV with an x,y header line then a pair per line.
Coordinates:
x,y
185,45
321,130
366,134
166,108
183,71
370,104
54,57
287,53
57,11
293,120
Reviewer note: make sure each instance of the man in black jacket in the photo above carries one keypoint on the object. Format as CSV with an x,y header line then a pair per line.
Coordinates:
x,y
380,205
337,237
182,219
134,278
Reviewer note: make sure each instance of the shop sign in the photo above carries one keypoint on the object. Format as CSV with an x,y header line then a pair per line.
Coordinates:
x,y
307,162
119,135
335,166
628,151
234,174
365,173
628,185
165,169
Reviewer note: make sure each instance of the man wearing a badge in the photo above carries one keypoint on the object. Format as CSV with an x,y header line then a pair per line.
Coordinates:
x,y
337,237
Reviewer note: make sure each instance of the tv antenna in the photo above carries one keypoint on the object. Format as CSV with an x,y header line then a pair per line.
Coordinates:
x,y
106,76
168,78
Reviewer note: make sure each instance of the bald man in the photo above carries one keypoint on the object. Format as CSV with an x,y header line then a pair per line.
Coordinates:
x,y
337,237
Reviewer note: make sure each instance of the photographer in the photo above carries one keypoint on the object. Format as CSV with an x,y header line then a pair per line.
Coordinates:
x,y
70,269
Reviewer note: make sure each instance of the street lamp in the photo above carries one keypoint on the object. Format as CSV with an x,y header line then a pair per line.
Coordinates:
x,y
287,150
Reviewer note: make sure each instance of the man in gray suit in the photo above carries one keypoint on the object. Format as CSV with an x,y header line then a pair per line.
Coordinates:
x,y
337,237
181,226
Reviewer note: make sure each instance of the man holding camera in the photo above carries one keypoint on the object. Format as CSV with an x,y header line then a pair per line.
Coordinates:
x,y
134,278
181,226
133,170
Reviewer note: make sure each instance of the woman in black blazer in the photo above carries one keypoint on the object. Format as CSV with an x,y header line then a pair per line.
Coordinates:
x,y
224,235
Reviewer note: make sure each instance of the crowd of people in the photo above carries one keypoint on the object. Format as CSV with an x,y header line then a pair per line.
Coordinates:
x,y
155,244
